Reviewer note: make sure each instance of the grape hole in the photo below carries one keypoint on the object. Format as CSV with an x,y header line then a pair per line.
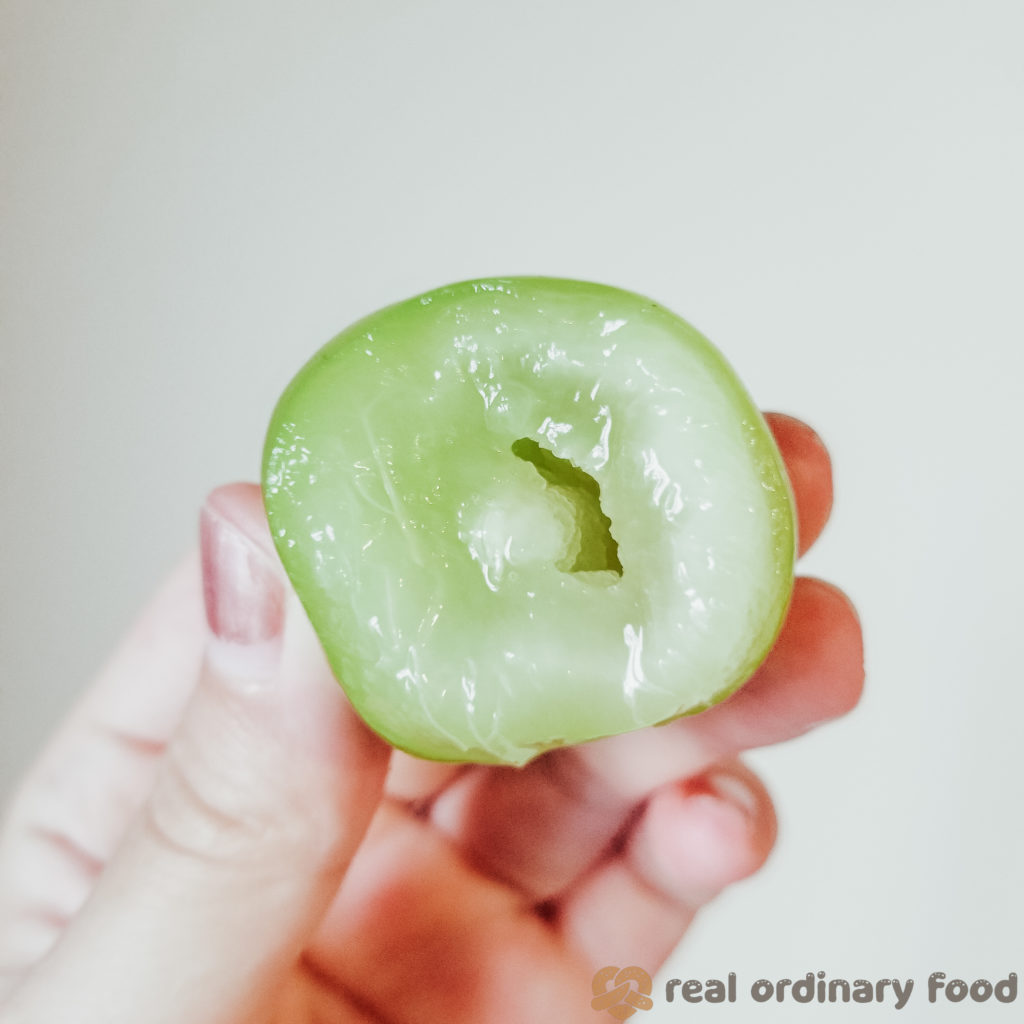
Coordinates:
x,y
599,551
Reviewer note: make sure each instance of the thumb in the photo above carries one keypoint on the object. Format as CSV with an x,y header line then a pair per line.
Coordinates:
x,y
265,792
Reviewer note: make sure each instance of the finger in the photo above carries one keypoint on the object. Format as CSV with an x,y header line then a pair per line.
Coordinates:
x,y
416,935
813,674
415,782
692,840
541,826
810,474
261,798
459,946
71,811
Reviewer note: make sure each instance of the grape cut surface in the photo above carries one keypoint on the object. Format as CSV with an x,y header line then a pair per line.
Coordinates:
x,y
526,512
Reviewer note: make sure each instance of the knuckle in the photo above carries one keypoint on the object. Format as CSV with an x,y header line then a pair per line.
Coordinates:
x,y
204,811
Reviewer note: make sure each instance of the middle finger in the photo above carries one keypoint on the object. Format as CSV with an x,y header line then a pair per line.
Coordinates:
x,y
540,826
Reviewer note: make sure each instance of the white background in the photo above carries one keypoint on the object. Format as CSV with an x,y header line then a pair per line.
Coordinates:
x,y
195,195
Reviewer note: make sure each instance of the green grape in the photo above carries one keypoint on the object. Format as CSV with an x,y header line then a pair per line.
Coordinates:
x,y
529,512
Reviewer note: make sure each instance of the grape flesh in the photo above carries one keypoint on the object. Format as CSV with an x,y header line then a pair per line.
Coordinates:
x,y
528,512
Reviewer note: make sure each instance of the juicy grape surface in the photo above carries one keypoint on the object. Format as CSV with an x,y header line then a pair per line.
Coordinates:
x,y
528,512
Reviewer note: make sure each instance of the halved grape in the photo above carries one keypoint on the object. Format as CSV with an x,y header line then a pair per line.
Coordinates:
x,y
529,512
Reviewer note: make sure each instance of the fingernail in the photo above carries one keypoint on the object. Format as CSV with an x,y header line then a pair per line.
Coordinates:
x,y
730,789
242,584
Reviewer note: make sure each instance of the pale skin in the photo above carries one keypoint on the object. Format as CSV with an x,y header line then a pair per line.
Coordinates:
x,y
213,837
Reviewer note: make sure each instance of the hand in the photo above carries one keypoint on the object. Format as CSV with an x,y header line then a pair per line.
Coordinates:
x,y
213,836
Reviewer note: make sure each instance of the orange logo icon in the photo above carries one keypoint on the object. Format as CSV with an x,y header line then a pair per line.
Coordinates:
x,y
613,991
